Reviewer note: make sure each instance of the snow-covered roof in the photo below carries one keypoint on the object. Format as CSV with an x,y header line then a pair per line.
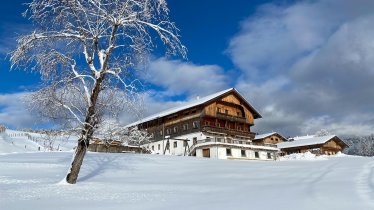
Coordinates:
x,y
191,104
305,141
261,136
265,135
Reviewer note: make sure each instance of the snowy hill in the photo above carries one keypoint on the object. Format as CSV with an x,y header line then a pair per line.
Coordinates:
x,y
12,141
130,181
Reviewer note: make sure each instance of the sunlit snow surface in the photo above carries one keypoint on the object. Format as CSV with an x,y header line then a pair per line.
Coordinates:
x,y
129,181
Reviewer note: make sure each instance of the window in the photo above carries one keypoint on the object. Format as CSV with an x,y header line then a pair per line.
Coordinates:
x,y
185,127
226,111
257,155
175,144
243,153
219,139
195,124
194,140
206,123
185,143
168,131
175,129
228,152
238,113
161,132
159,147
153,148
218,110
269,155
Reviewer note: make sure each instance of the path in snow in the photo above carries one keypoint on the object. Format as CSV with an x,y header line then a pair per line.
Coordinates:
x,y
129,181
365,183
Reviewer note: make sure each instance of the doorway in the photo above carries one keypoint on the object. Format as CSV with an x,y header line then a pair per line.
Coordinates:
x,y
206,153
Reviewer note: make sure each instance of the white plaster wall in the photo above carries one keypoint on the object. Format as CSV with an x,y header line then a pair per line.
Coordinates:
x,y
199,153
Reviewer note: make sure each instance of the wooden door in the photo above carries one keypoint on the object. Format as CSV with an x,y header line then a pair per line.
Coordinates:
x,y
206,153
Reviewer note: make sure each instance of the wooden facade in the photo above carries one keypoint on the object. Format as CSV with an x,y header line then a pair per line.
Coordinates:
x,y
228,114
2,128
272,138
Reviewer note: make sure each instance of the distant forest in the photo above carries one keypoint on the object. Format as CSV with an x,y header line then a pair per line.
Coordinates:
x,y
360,145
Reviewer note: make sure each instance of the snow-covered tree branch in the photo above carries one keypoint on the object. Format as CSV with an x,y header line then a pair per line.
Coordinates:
x,y
87,52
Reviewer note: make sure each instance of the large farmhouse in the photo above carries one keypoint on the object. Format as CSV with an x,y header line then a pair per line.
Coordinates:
x,y
215,126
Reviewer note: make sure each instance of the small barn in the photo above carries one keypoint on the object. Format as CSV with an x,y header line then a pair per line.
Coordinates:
x,y
268,138
2,128
113,147
320,145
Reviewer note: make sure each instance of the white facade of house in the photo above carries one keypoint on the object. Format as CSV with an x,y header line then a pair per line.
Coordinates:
x,y
219,147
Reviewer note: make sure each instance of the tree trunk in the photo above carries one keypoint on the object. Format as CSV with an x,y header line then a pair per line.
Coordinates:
x,y
86,136
80,152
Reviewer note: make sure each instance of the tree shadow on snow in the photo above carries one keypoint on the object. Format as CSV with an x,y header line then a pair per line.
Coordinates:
x,y
98,164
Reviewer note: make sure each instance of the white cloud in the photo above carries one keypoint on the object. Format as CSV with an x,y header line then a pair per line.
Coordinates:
x,y
309,65
13,112
178,78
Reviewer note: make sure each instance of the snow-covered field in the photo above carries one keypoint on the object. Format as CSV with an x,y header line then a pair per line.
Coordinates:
x,y
130,181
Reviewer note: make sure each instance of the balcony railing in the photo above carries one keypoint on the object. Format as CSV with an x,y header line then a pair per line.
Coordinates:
x,y
228,131
231,118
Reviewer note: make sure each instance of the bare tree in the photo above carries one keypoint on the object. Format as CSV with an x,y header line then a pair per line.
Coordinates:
x,y
322,132
112,131
86,52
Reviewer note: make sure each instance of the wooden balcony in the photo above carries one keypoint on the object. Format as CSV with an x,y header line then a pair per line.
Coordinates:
x,y
231,118
228,131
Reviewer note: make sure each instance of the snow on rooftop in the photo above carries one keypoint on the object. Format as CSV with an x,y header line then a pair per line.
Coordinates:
x,y
261,136
303,137
187,105
305,141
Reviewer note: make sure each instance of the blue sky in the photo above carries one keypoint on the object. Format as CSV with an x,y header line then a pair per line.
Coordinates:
x,y
305,65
